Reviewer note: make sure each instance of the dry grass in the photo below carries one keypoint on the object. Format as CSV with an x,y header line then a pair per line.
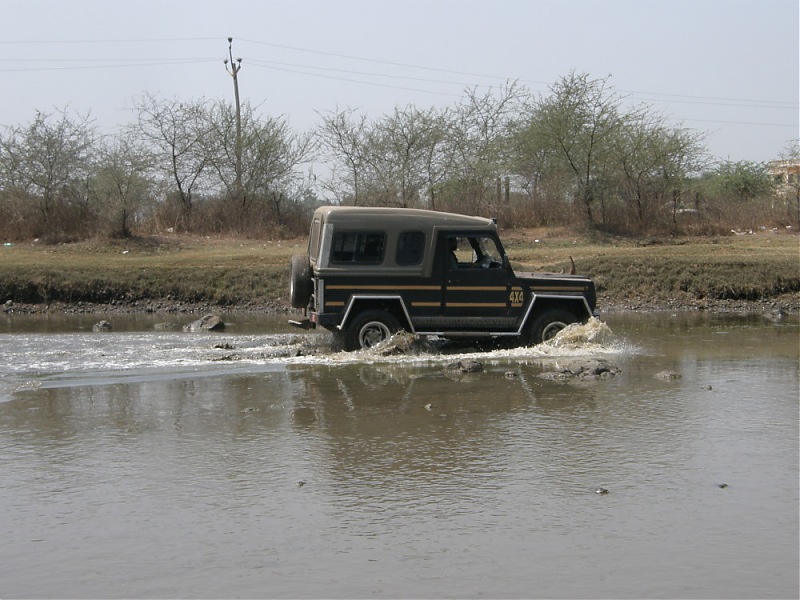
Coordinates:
x,y
209,270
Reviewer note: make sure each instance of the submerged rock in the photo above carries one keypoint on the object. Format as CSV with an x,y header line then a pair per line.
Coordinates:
x,y
206,323
465,366
667,375
584,369
102,326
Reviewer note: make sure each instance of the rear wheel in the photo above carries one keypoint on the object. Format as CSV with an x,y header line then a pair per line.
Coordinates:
x,y
547,325
370,328
300,284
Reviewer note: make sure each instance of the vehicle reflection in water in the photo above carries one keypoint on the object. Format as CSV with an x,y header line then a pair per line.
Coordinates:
x,y
351,475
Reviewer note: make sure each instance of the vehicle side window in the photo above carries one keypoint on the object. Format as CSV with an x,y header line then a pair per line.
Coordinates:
x,y
472,251
365,248
410,248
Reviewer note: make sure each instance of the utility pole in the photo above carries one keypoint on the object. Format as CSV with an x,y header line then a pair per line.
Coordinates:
x,y
233,71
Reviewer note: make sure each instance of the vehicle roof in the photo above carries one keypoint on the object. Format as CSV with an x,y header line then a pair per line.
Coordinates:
x,y
407,217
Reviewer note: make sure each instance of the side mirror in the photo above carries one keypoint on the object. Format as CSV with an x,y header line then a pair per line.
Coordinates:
x,y
507,263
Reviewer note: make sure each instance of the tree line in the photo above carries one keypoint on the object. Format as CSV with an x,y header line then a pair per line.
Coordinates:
x,y
578,156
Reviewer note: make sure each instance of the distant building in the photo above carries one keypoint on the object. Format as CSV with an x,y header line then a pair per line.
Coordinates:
x,y
785,173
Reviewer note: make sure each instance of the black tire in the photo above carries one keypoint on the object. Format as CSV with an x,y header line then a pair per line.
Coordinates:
x,y
300,284
548,324
368,329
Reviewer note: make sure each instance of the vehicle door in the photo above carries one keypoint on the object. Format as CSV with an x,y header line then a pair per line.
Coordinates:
x,y
475,279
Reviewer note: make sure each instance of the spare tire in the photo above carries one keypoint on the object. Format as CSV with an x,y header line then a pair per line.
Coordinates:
x,y
300,283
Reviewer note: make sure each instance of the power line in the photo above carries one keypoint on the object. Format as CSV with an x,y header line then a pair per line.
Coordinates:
x,y
775,103
293,68
151,63
742,123
359,81
682,99
375,60
384,85
501,78
106,41
283,65
95,59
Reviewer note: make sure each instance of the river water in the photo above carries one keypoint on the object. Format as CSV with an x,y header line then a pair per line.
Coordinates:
x,y
257,462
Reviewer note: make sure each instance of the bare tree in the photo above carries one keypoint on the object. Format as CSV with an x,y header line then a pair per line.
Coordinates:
x,y
343,140
679,154
478,150
177,131
269,152
638,151
535,163
580,118
122,184
394,161
50,160
406,153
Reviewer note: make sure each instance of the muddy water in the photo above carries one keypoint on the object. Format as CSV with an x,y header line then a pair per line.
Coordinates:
x,y
256,463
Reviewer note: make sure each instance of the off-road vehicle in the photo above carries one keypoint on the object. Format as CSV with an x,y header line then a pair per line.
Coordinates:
x,y
370,272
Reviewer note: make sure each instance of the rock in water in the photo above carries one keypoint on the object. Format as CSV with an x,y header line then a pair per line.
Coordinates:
x,y
465,366
667,375
101,326
206,323
581,368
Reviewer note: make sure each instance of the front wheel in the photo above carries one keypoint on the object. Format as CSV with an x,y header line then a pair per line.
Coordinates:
x,y
369,329
547,325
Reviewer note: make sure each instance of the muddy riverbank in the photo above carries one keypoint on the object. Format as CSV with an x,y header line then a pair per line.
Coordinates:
x,y
770,307
738,274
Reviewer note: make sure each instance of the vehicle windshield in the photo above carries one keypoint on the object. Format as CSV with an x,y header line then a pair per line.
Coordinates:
x,y
486,246
477,250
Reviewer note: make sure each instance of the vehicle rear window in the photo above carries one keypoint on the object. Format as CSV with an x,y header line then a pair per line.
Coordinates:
x,y
410,248
313,238
364,248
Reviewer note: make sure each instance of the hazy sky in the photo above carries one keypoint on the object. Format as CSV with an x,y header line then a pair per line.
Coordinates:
x,y
729,68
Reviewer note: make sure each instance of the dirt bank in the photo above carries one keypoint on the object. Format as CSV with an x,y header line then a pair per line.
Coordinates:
x,y
753,273
786,303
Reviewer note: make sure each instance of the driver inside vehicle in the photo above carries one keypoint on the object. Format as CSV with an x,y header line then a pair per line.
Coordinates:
x,y
452,246
472,253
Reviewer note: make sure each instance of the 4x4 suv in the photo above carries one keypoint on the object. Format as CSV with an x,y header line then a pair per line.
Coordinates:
x,y
370,272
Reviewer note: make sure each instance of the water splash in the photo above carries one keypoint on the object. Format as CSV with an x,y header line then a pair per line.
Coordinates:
x,y
595,335
578,340
78,359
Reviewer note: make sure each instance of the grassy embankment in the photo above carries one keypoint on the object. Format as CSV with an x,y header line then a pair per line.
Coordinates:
x,y
159,274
